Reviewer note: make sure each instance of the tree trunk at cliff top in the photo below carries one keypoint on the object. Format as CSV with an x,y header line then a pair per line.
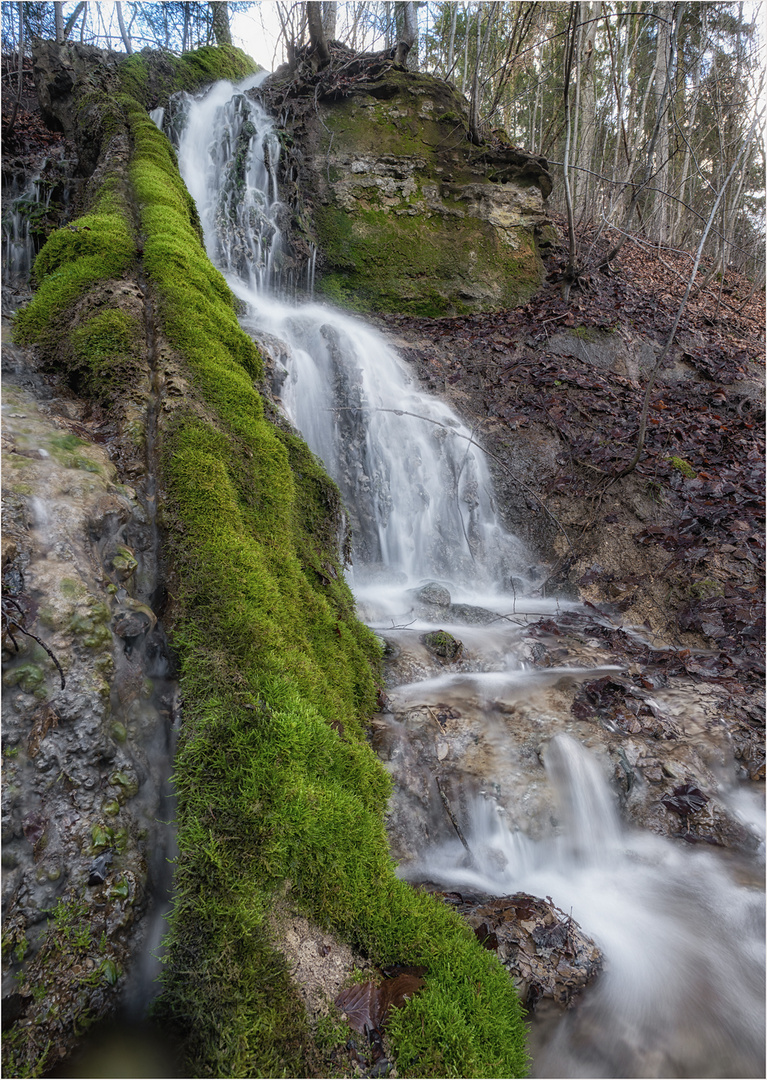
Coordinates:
x,y
407,34
317,36
221,31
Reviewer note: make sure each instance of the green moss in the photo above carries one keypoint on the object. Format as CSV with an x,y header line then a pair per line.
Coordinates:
x,y
378,260
70,262
683,467
706,588
586,333
106,352
150,77
28,677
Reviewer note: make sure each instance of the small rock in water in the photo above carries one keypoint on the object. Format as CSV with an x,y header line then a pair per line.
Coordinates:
x,y
433,593
97,873
545,951
443,644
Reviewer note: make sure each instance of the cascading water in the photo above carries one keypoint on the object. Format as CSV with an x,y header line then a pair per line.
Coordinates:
x,y
682,990
24,209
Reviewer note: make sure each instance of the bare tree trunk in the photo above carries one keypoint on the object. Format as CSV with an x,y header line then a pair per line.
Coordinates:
x,y
466,49
660,120
220,12
570,47
662,71
317,37
123,32
58,15
587,106
70,23
329,14
451,44
475,126
20,88
678,231
408,34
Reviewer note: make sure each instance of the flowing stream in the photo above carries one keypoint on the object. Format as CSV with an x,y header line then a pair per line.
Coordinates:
x,y
681,929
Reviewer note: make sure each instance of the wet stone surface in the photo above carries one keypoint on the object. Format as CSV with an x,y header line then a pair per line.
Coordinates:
x,y
84,766
545,951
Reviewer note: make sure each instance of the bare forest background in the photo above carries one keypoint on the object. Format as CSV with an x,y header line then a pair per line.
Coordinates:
x,y
649,114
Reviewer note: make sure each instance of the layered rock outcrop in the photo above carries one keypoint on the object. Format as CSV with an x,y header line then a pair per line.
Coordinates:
x,y
406,212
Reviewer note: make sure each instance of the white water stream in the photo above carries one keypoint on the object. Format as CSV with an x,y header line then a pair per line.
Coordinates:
x,y
682,990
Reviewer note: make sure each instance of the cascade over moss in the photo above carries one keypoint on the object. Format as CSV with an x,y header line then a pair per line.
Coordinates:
x,y
280,797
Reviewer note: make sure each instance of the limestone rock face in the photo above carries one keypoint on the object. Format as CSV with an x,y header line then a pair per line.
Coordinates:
x,y
407,213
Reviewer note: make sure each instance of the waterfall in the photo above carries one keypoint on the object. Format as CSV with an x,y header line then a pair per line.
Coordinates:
x,y
413,478
682,989
27,207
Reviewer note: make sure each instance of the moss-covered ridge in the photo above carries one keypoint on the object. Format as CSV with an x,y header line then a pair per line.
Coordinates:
x,y
279,794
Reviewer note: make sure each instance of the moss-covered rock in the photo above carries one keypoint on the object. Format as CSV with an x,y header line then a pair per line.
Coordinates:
x,y
408,215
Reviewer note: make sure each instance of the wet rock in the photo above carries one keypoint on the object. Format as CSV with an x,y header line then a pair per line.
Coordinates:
x,y
443,644
99,868
433,593
133,621
544,950
471,615
83,766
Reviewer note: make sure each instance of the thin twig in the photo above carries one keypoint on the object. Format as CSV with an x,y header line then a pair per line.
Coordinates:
x,y
11,621
451,815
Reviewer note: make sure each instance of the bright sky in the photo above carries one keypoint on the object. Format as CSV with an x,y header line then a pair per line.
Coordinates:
x,y
257,31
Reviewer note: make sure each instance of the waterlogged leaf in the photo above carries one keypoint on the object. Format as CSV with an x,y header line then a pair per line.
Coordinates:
x,y
368,1005
685,799
110,971
360,1003
394,993
486,937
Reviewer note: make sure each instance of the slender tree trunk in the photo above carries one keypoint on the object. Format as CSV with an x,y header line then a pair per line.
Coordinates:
x,y
662,74
451,43
587,108
20,85
466,49
570,48
317,37
678,231
660,120
70,23
220,12
58,15
407,35
329,14
123,32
